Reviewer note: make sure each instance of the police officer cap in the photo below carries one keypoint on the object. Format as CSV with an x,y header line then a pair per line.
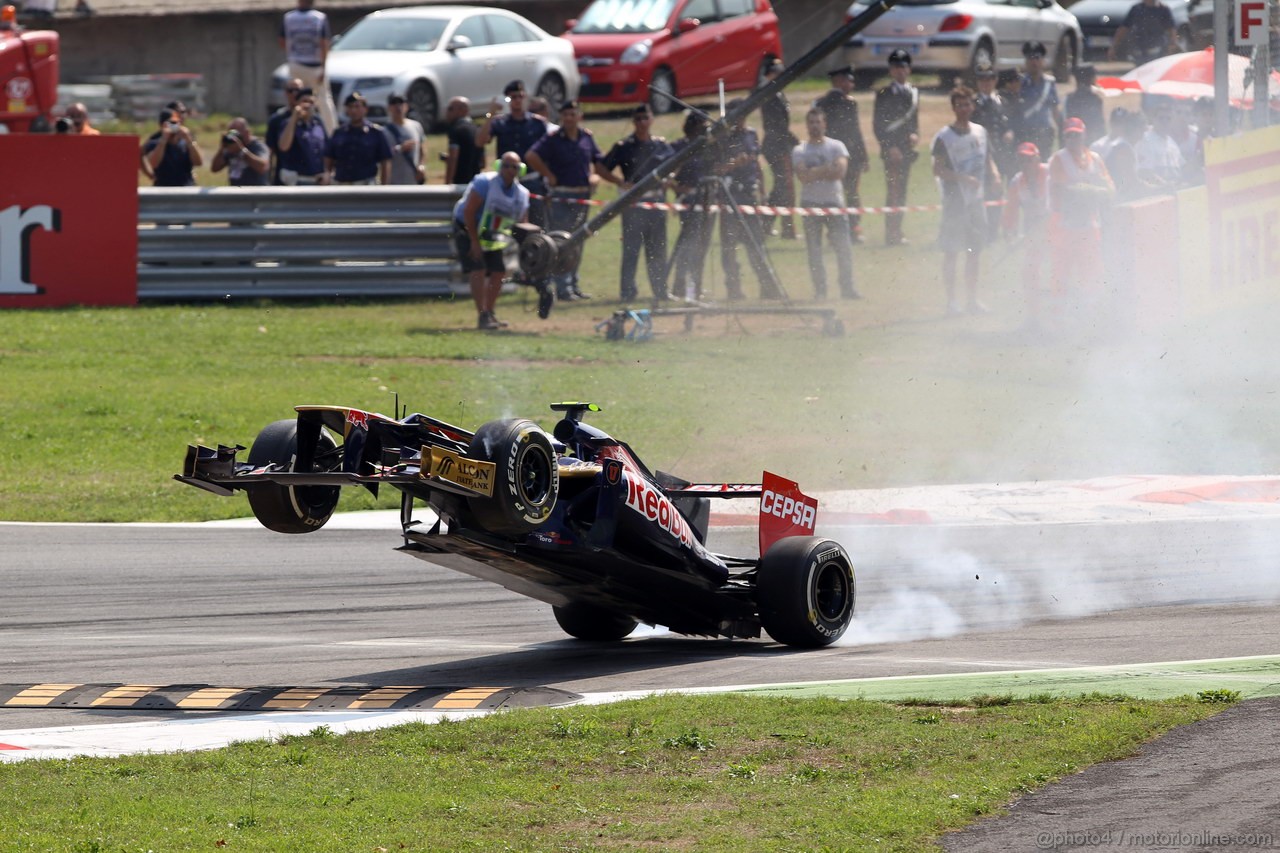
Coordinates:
x,y
354,98
568,105
1006,76
846,71
899,57
1034,48
985,70
513,86
395,98
642,110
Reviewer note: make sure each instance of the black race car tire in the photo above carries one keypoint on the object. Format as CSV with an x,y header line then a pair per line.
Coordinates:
x,y
289,509
586,622
805,590
527,481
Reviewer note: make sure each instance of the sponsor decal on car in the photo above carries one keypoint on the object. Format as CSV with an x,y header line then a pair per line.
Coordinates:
x,y
784,510
653,505
535,508
355,417
473,474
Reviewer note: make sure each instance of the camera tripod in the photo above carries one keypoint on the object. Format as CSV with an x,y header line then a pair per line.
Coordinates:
x,y
689,254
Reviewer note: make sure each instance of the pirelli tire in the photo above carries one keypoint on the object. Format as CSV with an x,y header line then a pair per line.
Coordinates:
x,y
526,482
586,622
289,509
805,591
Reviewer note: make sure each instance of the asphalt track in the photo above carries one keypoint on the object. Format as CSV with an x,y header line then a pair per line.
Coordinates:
x,y
993,579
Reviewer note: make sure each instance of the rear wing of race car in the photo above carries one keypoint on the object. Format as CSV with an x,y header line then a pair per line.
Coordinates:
x,y
784,509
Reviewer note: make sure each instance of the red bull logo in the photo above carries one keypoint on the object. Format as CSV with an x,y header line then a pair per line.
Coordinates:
x,y
656,507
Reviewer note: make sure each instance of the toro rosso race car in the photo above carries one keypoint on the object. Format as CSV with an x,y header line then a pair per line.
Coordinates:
x,y
572,518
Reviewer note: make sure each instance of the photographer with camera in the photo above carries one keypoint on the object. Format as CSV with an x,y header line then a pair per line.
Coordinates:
x,y
172,152
245,157
493,203
78,115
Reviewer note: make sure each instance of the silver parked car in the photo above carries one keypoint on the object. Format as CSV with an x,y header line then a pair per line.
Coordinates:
x,y
952,37
430,54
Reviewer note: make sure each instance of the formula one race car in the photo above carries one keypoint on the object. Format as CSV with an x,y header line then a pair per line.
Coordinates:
x,y
573,518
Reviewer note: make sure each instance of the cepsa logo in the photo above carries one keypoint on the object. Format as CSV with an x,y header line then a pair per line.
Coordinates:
x,y
16,226
655,506
799,513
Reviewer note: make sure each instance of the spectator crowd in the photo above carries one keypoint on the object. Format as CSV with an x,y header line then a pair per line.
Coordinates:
x,y
1019,161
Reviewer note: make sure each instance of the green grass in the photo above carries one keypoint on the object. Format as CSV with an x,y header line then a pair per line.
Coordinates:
x,y
726,772
97,405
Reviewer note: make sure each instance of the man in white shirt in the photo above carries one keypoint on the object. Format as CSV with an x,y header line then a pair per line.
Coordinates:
x,y
1159,159
963,166
408,143
304,36
820,163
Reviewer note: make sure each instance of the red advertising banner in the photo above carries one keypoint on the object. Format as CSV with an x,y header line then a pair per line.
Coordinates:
x,y
68,220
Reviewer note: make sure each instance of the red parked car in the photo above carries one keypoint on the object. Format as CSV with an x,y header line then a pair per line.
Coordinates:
x,y
643,50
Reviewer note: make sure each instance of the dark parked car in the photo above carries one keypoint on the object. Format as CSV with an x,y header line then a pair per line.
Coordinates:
x,y
1099,20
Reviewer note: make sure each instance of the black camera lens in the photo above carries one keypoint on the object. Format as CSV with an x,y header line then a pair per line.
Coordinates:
x,y
62,125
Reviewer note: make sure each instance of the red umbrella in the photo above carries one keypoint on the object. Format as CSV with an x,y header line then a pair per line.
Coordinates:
x,y
1188,75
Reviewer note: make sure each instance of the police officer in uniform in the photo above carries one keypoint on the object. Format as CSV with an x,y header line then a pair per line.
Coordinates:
x,y
1039,112
637,155
775,115
694,190
517,130
739,160
841,112
990,111
567,159
358,152
896,124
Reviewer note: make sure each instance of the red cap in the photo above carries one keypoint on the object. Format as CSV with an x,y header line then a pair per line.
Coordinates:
x,y
1028,149
1073,125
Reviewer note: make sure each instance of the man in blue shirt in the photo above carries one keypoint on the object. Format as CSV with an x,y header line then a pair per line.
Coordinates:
x,y
517,131
358,152
482,221
302,143
566,161
275,124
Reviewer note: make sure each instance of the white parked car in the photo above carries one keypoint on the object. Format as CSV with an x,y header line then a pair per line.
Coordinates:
x,y
952,37
430,54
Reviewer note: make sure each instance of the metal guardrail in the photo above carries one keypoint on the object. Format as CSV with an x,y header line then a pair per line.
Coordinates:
x,y
140,96
277,242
